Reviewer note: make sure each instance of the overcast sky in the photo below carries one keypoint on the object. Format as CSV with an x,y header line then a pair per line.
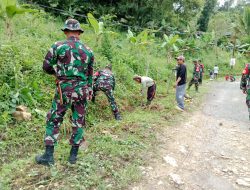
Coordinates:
x,y
222,2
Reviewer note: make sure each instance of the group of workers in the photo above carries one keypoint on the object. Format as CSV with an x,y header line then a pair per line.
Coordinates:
x,y
71,62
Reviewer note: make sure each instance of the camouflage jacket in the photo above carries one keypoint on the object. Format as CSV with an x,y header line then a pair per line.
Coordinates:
x,y
245,79
196,72
105,79
70,60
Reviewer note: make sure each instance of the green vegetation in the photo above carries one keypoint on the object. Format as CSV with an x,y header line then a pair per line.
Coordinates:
x,y
205,14
115,149
143,13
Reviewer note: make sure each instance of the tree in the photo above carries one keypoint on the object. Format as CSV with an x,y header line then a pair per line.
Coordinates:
x,y
220,25
137,13
8,9
205,15
246,19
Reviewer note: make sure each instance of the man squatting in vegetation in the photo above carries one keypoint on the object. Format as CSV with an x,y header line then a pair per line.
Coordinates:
x,y
104,80
72,63
196,76
180,84
147,83
245,85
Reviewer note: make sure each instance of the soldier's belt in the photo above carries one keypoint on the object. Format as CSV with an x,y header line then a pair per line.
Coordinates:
x,y
60,80
65,79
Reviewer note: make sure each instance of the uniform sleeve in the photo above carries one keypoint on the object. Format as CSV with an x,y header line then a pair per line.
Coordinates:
x,y
90,71
243,82
50,61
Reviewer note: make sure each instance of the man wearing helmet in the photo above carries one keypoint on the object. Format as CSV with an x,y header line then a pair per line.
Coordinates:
x,y
71,62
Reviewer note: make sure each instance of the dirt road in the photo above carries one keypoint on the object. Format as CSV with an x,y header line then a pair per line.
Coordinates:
x,y
209,150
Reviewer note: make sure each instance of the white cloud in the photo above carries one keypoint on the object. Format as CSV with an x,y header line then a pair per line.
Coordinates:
x,y
221,2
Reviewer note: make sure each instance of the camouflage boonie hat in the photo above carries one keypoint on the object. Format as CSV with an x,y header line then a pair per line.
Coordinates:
x,y
72,25
195,60
109,66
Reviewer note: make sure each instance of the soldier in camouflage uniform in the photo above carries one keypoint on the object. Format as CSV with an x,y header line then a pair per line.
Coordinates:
x,y
202,71
196,76
71,62
245,85
105,81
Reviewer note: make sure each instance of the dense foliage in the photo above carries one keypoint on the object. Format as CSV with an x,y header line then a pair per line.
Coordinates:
x,y
205,15
141,13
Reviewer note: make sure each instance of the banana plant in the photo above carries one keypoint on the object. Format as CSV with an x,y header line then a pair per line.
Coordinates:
x,y
142,41
246,19
98,28
172,44
8,9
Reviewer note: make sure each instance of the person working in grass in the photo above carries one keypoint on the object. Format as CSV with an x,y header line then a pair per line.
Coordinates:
x,y
180,84
149,84
104,81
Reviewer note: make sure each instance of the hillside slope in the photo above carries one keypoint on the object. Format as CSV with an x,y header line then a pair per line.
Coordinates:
x,y
115,149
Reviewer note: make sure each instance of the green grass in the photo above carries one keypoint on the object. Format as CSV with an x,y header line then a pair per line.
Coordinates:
x,y
115,149
114,152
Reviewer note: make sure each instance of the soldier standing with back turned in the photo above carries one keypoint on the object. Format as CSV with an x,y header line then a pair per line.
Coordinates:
x,y
71,62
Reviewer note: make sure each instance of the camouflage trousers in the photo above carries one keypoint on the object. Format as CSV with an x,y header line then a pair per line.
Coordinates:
x,y
200,79
110,95
248,102
195,82
74,99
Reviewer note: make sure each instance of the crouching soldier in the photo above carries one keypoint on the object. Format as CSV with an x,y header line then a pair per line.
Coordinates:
x,y
245,85
71,62
149,84
105,81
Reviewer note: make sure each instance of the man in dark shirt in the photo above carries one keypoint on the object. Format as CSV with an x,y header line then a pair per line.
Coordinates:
x,y
180,84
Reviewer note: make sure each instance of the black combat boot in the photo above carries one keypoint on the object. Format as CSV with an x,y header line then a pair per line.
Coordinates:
x,y
118,117
47,158
93,98
73,154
